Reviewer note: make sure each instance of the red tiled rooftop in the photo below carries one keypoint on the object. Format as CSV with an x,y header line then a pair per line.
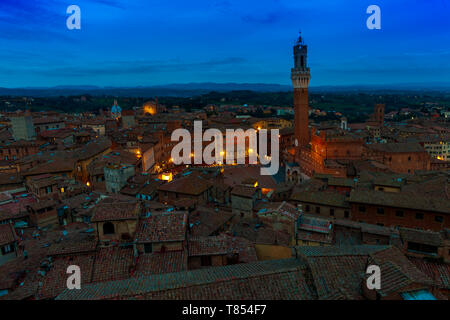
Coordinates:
x,y
115,210
158,263
191,185
112,263
162,227
7,234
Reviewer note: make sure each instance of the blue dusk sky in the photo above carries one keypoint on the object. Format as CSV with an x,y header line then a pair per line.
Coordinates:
x,y
156,42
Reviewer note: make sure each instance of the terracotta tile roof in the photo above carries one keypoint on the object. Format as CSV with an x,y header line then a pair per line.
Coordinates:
x,y
338,277
366,227
235,175
330,251
27,290
55,281
334,199
274,279
45,204
400,200
283,209
192,184
92,148
340,182
397,271
73,245
113,210
16,208
162,227
10,178
337,271
244,191
158,263
113,263
258,234
289,285
55,165
222,245
7,234
397,147
150,187
420,236
439,272
206,221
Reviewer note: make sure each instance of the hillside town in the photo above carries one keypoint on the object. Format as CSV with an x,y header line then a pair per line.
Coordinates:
x,y
101,190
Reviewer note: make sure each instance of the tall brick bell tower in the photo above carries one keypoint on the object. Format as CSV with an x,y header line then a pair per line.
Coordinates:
x,y
300,80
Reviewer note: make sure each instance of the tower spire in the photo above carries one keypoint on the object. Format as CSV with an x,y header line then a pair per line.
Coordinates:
x,y
300,80
300,39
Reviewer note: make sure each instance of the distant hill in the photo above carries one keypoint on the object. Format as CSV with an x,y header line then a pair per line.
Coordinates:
x,y
194,89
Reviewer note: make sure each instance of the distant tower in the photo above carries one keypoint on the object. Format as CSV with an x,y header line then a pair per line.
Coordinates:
x,y
23,127
344,123
379,114
300,80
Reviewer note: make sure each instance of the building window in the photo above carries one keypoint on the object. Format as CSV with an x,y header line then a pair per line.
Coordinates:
x,y
332,212
7,249
380,210
362,209
307,208
399,213
148,248
206,261
438,218
419,216
346,214
423,248
317,209
108,228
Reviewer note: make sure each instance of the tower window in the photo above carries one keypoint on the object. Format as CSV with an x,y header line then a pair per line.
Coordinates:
x,y
108,228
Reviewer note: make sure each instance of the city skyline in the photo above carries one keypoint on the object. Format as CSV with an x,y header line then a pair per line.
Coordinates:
x,y
156,43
